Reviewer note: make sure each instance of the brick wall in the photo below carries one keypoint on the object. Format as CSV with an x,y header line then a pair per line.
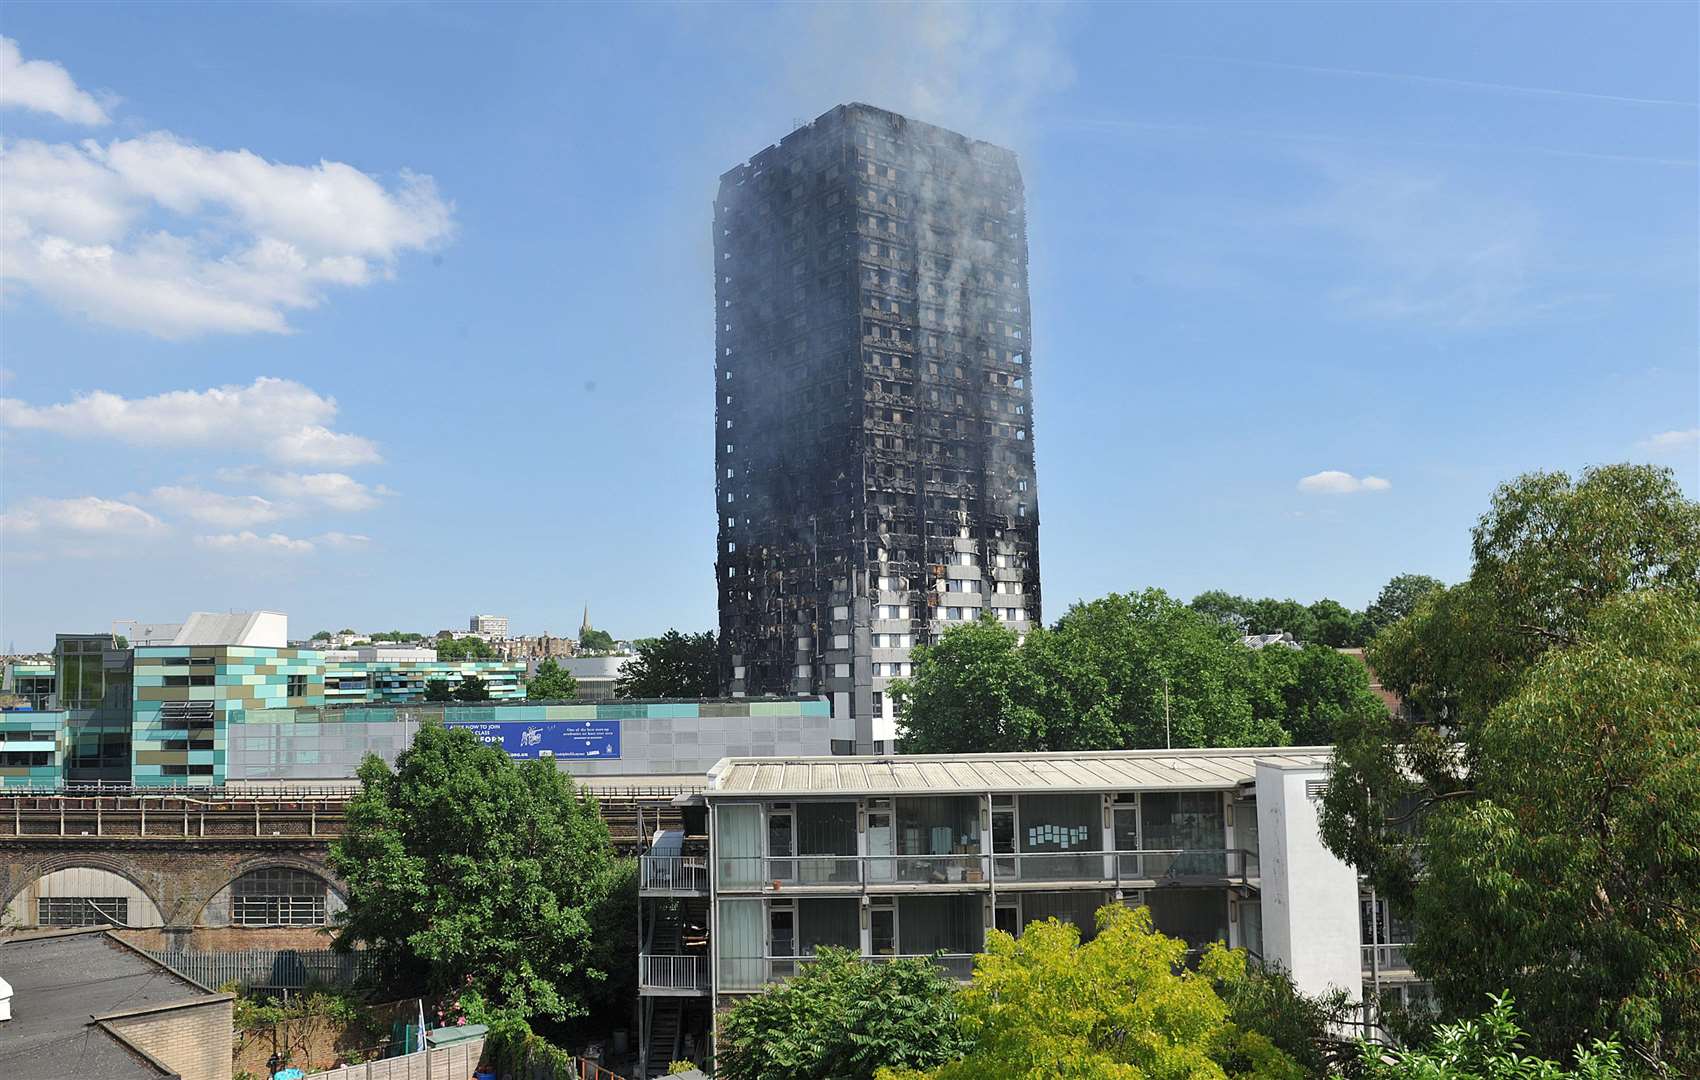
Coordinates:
x,y
195,1039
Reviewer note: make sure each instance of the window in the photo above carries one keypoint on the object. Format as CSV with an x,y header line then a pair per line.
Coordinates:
x,y
278,896
81,910
297,686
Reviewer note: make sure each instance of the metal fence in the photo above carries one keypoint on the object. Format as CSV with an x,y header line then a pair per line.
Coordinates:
x,y
272,969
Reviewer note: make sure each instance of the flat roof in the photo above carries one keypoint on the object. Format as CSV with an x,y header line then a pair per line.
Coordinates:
x,y
924,774
61,982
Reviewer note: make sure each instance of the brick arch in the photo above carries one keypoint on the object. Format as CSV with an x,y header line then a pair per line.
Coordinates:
x,y
266,861
31,872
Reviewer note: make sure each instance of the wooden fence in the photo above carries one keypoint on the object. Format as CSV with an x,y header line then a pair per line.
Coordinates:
x,y
453,1062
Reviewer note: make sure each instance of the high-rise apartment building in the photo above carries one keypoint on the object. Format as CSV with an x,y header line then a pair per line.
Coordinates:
x,y
490,627
873,406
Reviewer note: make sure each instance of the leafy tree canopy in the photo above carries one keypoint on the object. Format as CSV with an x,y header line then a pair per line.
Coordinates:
x,y
1571,874
1546,766
673,665
1487,1048
1121,672
1398,598
472,688
842,1019
463,866
321,635
439,690
1309,692
464,648
596,641
1123,1006
551,683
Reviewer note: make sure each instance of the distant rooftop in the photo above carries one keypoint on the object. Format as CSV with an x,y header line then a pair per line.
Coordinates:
x,y
62,985
928,774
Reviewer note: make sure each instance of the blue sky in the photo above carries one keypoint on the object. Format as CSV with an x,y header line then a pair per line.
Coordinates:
x,y
381,315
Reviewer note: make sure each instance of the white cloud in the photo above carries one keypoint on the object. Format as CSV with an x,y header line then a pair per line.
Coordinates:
x,y
251,542
328,490
216,508
1672,442
161,235
278,418
1334,482
87,514
43,86
344,540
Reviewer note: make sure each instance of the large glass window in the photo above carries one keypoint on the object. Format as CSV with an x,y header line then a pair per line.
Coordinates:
x,y
743,949
941,836
1079,908
81,910
1052,826
738,840
278,896
1189,823
826,840
828,922
929,924
1197,916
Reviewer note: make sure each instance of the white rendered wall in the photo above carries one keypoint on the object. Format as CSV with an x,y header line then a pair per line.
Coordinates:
x,y
1310,897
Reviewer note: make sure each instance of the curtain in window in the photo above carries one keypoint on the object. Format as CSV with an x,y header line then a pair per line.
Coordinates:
x,y
826,828
938,825
929,924
1079,908
738,842
1198,916
828,922
1245,833
743,944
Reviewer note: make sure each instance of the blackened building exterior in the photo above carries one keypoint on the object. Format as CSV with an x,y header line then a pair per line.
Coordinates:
x,y
873,407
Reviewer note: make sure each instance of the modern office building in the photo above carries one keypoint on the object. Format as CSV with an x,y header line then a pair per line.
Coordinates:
x,y
489,627
377,673
873,406
922,856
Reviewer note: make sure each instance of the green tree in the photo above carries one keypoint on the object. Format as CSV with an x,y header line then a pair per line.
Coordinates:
x,y
1270,616
472,688
551,683
843,1019
1486,1048
1337,626
971,690
1123,1006
596,641
673,665
465,868
1226,608
1571,875
322,635
1547,554
439,690
1549,710
1311,691
1398,598
1120,672
464,648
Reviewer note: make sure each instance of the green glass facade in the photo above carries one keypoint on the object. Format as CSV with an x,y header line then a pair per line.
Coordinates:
x,y
32,748
186,696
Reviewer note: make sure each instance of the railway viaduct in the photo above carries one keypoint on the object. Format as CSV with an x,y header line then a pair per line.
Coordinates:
x,y
181,849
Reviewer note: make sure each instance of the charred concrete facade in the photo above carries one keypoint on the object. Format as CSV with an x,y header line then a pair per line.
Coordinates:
x,y
873,406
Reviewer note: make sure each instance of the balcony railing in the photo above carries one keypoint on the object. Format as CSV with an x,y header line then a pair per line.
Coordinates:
x,y
1386,958
673,874
657,972
1171,866
754,972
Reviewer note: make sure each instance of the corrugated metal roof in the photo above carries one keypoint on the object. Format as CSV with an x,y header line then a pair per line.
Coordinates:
x,y
1115,770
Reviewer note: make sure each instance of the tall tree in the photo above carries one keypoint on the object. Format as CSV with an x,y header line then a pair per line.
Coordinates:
x,y
673,665
1337,626
464,648
439,690
596,641
1226,608
1397,599
1571,874
472,688
1502,679
1124,1005
842,1019
971,690
551,683
1310,692
463,866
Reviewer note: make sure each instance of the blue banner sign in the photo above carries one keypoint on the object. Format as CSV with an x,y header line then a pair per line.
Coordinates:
x,y
571,739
